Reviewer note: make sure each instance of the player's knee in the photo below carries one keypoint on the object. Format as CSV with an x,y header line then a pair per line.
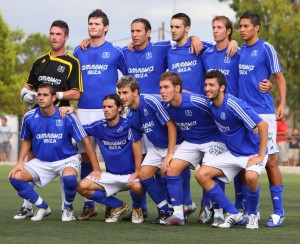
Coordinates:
x,y
201,176
137,188
252,179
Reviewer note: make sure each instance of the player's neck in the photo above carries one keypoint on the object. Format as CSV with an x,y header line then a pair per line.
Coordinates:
x,y
136,103
182,41
114,122
96,42
176,102
252,41
222,44
49,111
142,47
60,52
219,100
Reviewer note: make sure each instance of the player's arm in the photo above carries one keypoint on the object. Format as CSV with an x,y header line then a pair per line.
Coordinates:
x,y
69,95
25,148
85,43
196,45
232,48
138,158
262,127
96,173
172,137
282,95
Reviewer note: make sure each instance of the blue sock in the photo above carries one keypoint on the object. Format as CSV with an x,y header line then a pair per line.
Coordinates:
x,y
253,200
70,184
216,205
156,193
27,192
277,199
205,200
217,195
100,197
175,189
238,192
245,198
186,186
163,185
136,200
144,202
86,169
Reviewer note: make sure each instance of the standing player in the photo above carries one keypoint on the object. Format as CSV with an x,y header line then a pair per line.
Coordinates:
x,y
112,135
99,65
246,149
45,131
61,70
258,61
192,117
147,116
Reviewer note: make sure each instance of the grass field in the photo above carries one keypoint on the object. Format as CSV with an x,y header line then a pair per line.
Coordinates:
x,y
52,230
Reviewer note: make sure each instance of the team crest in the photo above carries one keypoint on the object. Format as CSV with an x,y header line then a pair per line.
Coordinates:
x,y
188,113
254,53
227,60
59,122
120,130
105,54
223,116
61,69
146,112
148,55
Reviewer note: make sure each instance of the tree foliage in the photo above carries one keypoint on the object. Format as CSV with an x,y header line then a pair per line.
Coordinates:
x,y
280,25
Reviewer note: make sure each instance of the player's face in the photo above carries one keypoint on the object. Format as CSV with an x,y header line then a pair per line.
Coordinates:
x,y
139,36
168,91
178,30
219,31
127,96
110,109
212,88
44,97
247,30
96,28
58,38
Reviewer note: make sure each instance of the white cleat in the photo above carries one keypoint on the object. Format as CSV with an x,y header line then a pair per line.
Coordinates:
x,y
40,213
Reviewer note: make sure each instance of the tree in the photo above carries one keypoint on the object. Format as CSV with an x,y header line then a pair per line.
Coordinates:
x,y
280,23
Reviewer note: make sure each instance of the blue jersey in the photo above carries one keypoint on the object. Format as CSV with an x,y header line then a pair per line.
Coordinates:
x,y
150,118
115,145
229,66
236,121
51,136
99,66
257,62
189,66
146,66
194,119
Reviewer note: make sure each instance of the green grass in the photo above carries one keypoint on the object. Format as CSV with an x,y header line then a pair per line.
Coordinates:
x,y
52,230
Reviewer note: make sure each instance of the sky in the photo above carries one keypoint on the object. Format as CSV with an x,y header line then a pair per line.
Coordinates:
x,y
37,15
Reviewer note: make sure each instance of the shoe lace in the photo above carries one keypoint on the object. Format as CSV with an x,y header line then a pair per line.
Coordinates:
x,y
252,220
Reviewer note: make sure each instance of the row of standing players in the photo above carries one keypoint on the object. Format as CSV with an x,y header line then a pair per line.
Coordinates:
x,y
247,74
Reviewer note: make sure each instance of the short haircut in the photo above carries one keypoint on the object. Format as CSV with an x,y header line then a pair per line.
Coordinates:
x,y
114,97
186,19
51,88
173,77
253,17
218,75
226,21
146,23
61,24
98,13
129,81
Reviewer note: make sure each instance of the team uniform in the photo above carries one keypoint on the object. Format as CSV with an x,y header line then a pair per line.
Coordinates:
x,y
258,62
147,65
62,72
214,59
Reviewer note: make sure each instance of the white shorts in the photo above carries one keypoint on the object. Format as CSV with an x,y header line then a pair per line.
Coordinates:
x,y
193,153
271,120
232,165
113,183
44,172
145,144
88,116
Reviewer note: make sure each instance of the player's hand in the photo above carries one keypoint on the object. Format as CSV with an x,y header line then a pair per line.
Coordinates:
x,y
280,114
254,160
165,164
196,45
132,178
130,47
28,96
63,111
16,168
232,48
85,43
255,130
265,86
95,175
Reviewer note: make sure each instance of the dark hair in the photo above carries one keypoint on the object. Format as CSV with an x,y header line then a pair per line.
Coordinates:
x,y
114,97
46,85
62,24
226,21
129,81
253,17
146,23
173,77
98,13
186,19
218,75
